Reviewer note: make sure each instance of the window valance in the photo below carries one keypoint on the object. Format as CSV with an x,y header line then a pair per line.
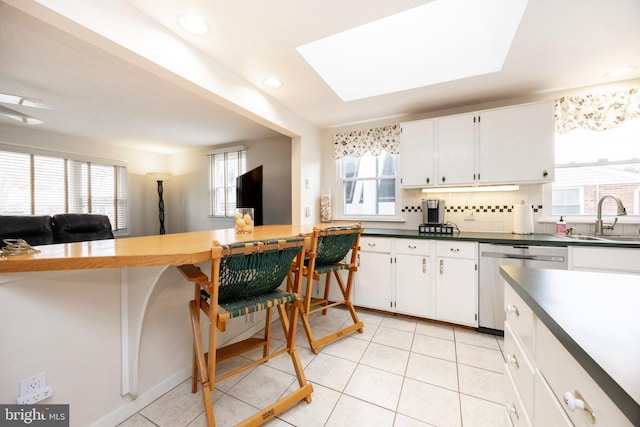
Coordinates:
x,y
596,111
357,143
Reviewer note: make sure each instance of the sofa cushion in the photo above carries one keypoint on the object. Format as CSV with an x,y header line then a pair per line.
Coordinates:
x,y
71,227
34,229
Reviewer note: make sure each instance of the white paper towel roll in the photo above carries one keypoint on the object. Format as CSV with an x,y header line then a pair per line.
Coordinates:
x,y
522,219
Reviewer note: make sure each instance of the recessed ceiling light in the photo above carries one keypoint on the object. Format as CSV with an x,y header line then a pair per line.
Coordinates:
x,y
193,24
272,83
621,71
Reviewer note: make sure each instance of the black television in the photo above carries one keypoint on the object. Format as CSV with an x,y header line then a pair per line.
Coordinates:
x,y
249,193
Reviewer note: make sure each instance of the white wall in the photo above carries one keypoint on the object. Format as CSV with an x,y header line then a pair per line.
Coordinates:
x,y
187,191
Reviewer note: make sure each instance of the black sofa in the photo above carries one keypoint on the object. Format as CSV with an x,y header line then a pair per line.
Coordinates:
x,y
60,228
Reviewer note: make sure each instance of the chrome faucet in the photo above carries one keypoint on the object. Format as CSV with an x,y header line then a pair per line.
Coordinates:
x,y
600,227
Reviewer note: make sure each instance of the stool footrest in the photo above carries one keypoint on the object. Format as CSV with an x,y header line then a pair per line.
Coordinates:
x,y
239,347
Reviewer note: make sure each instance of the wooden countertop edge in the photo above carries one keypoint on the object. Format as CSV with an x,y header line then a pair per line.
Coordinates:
x,y
120,261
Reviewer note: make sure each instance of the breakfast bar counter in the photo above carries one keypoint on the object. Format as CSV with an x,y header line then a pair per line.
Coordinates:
x,y
166,249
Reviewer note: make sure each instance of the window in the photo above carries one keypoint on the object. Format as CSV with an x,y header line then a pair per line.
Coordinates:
x,y
368,184
39,184
591,164
225,167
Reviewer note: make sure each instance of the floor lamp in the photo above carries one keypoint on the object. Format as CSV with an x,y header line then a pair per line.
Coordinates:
x,y
160,177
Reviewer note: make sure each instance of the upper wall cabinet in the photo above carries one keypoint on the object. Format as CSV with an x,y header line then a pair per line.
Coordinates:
x,y
456,141
416,154
501,146
517,144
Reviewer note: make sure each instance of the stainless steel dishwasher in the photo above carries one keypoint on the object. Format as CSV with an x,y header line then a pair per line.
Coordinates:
x,y
491,313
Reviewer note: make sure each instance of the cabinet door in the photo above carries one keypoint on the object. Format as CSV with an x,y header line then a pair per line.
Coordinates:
x,y
613,260
456,144
517,144
416,154
413,287
456,291
372,287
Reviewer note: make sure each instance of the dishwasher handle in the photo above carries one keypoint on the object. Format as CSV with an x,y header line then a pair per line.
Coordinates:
x,y
548,258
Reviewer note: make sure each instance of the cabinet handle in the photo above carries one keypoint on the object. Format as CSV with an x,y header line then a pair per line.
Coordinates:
x,y
411,246
576,401
427,180
358,263
454,250
511,410
443,179
371,245
545,174
441,266
513,360
424,265
512,309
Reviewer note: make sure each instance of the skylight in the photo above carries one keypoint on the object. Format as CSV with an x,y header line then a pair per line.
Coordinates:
x,y
440,41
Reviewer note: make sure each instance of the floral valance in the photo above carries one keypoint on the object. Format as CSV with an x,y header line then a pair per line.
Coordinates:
x,y
596,111
357,143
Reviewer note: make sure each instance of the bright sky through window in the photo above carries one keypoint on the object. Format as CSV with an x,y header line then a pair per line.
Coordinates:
x,y
440,41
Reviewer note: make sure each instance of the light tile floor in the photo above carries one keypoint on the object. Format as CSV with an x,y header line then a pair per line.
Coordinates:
x,y
400,372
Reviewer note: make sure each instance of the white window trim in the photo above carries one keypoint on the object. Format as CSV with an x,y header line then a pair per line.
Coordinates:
x,y
210,155
339,201
36,151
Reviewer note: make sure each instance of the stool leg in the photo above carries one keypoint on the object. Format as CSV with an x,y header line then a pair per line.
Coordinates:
x,y
201,363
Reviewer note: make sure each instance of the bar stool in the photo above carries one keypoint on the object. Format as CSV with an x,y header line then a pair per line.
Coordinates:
x,y
244,279
329,249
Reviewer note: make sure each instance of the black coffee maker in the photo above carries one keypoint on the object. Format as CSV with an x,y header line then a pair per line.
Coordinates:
x,y
433,211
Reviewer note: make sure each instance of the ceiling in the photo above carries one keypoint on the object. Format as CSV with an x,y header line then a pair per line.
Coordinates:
x,y
559,45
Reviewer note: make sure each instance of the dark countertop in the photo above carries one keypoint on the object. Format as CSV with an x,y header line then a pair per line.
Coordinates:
x,y
595,317
538,239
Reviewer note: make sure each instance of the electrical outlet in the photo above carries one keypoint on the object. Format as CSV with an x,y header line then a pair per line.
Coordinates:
x,y
35,397
33,383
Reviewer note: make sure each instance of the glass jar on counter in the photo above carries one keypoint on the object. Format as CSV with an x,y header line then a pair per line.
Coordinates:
x,y
325,204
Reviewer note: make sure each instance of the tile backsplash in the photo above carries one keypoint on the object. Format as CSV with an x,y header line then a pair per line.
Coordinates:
x,y
485,212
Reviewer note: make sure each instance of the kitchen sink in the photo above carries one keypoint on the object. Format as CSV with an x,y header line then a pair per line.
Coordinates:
x,y
604,238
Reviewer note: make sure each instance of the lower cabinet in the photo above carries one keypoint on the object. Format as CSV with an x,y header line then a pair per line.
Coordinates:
x,y
546,386
456,282
413,291
372,288
614,260
405,276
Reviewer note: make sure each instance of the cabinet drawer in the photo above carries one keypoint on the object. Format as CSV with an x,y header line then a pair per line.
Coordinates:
x,y
548,411
565,375
375,244
453,249
413,246
514,407
520,368
520,318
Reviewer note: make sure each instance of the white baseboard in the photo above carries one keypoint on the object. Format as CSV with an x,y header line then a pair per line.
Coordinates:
x,y
121,414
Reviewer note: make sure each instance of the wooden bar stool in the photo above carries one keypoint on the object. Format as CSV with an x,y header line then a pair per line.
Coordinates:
x,y
244,279
329,249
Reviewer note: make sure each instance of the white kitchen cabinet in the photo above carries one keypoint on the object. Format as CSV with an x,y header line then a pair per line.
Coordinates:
x,y
614,260
416,154
456,282
373,280
456,141
498,146
569,381
543,377
413,291
516,144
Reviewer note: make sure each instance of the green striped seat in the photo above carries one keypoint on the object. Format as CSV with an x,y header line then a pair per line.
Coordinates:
x,y
250,272
333,248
